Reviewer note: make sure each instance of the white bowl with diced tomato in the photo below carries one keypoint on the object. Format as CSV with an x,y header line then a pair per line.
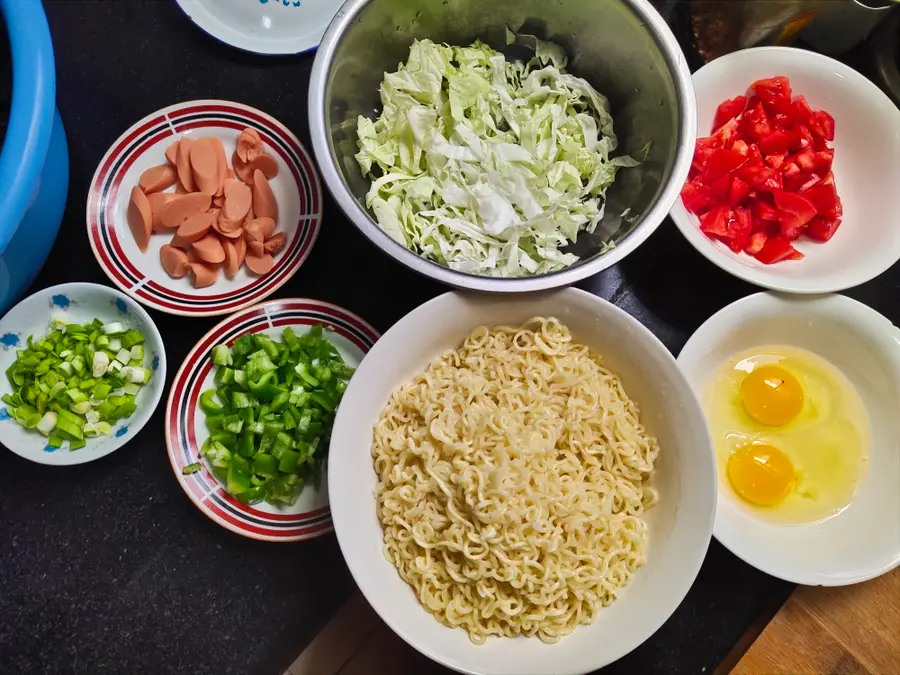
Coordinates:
x,y
795,184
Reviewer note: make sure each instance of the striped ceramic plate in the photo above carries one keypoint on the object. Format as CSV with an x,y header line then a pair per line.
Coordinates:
x,y
140,274
186,428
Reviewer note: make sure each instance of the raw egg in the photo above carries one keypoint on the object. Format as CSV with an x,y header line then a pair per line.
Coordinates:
x,y
790,431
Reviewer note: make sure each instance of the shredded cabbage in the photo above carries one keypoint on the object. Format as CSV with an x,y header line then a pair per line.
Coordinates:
x,y
485,165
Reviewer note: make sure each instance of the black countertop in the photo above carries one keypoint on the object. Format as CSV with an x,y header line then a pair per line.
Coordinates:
x,y
108,567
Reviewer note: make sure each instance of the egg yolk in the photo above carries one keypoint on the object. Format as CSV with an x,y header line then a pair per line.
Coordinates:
x,y
761,474
771,395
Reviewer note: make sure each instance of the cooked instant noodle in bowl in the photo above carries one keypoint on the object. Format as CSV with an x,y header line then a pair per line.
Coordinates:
x,y
513,479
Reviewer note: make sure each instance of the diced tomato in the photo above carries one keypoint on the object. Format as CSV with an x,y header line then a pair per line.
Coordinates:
x,y
789,168
776,143
755,243
823,160
764,177
777,249
795,182
741,147
741,227
813,179
806,160
794,211
727,134
721,163
755,122
738,192
773,91
715,222
803,138
764,212
821,124
761,177
799,111
696,200
754,156
822,229
718,189
775,161
728,110
825,199
702,150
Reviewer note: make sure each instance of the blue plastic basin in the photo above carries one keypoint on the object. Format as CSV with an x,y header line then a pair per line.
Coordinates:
x,y
34,161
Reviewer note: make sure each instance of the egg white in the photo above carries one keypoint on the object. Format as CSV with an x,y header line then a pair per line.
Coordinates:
x,y
828,442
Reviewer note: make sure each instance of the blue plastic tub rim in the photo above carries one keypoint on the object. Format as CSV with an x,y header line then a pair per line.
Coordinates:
x,y
31,112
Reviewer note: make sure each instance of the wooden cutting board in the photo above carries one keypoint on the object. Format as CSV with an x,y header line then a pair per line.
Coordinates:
x,y
847,630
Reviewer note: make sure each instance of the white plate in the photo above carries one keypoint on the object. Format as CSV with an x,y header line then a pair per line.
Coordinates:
x,y
863,541
264,26
79,303
186,430
866,170
140,273
680,524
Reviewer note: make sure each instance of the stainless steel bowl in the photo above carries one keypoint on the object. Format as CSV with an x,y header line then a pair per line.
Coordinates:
x,y
623,47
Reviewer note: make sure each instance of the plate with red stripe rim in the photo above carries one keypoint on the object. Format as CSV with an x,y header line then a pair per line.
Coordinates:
x,y
140,274
186,430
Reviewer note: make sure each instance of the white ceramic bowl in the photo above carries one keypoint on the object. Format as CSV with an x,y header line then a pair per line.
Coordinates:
x,y
80,303
680,525
866,170
263,26
863,541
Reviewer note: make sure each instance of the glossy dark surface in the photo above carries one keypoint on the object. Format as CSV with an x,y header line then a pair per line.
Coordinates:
x,y
108,567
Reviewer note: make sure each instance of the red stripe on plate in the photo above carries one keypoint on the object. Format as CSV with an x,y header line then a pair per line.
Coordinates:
x,y
244,526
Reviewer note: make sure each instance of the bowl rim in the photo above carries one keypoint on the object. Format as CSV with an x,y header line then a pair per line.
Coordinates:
x,y
150,406
869,322
653,217
704,527
768,277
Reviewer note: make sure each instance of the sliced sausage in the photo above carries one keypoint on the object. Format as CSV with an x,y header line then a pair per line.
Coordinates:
x,y
205,166
231,264
264,204
267,227
174,261
267,164
238,199
183,207
261,264
240,245
218,201
275,244
158,200
221,163
172,154
194,228
249,145
253,230
227,229
140,218
209,249
256,248
242,169
183,164
202,275
157,178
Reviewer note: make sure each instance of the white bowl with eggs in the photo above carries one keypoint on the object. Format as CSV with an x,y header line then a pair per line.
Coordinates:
x,y
824,508
679,525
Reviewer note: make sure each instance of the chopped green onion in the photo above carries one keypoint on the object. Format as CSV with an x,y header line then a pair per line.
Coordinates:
x,y
67,386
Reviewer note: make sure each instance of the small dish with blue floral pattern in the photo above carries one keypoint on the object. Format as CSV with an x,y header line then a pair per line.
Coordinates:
x,y
88,379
